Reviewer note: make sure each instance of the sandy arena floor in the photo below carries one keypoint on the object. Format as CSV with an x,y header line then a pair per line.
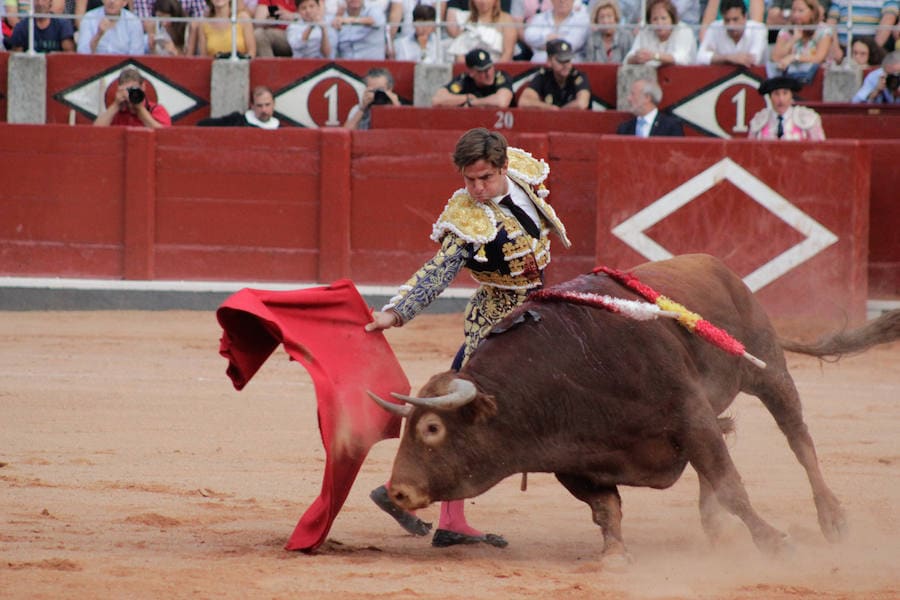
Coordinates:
x,y
130,468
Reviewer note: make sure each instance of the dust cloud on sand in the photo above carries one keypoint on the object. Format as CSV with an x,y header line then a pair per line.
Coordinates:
x,y
129,467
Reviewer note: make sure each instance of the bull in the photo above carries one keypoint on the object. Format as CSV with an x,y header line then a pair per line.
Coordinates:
x,y
601,400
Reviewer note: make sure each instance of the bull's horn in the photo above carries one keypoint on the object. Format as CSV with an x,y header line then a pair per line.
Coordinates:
x,y
462,391
398,409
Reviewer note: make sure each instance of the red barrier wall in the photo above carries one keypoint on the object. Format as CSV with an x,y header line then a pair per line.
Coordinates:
x,y
884,236
317,205
714,100
735,200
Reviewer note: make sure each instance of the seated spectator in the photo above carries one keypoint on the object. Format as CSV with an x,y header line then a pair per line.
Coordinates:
x,y
271,38
663,41
558,85
422,45
111,29
733,40
130,107
784,121
521,12
166,37
50,35
799,52
607,42
360,32
310,36
644,97
261,113
379,91
566,21
864,52
400,15
215,36
880,86
81,9
480,85
869,18
754,9
484,26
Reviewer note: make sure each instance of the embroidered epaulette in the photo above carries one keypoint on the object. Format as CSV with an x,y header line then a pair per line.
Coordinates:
x,y
530,173
525,167
759,120
468,219
804,118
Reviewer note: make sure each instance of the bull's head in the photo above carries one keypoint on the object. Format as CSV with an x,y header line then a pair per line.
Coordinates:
x,y
441,453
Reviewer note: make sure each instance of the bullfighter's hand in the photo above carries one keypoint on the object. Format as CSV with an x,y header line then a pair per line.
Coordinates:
x,y
383,320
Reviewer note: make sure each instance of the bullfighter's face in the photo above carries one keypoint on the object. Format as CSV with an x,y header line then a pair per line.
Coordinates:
x,y
484,181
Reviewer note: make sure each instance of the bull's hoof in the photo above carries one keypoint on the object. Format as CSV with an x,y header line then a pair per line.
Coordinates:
x,y
407,521
444,538
832,520
617,562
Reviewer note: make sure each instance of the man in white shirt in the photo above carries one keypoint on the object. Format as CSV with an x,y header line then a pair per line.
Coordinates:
x,y
733,40
111,29
567,20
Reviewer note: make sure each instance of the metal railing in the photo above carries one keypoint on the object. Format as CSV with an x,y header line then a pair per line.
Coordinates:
x,y
440,25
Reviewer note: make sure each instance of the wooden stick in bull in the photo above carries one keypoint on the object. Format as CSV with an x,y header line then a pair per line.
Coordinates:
x,y
644,311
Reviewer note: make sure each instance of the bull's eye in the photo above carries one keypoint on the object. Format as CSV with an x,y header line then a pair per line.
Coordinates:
x,y
430,429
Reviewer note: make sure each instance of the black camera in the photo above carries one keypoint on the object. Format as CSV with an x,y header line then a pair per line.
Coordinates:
x,y
892,82
381,97
136,95
273,11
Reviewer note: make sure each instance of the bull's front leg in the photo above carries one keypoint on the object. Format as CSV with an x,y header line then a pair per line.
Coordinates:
x,y
606,510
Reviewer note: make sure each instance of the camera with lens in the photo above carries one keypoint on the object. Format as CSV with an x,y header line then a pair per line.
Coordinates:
x,y
892,82
381,97
136,95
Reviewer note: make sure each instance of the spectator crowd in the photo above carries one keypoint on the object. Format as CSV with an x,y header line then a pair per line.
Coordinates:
x,y
791,37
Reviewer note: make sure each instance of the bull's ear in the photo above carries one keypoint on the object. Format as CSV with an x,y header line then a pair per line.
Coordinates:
x,y
479,410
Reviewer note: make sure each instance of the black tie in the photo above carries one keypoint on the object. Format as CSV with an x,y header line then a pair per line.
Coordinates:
x,y
780,132
522,217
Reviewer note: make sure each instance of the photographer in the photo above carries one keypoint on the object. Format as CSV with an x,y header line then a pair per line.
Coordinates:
x,y
881,85
379,90
131,106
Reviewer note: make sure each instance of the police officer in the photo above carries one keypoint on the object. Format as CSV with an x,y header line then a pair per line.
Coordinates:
x,y
559,84
481,85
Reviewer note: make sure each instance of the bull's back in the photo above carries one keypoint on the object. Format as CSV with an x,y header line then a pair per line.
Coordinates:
x,y
643,361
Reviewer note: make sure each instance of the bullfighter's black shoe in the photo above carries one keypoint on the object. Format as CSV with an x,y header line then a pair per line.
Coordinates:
x,y
444,538
407,521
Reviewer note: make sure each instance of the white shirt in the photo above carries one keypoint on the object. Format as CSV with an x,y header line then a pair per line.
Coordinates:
x,y
520,199
125,37
717,41
575,29
681,45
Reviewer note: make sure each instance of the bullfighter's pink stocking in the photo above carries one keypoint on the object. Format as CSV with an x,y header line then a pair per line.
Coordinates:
x,y
453,518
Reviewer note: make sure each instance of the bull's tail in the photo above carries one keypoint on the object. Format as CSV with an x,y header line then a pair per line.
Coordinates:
x,y
882,330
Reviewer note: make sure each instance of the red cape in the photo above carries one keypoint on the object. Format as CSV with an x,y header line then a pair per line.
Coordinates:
x,y
322,329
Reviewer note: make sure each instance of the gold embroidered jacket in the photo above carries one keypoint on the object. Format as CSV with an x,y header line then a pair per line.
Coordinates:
x,y
491,244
